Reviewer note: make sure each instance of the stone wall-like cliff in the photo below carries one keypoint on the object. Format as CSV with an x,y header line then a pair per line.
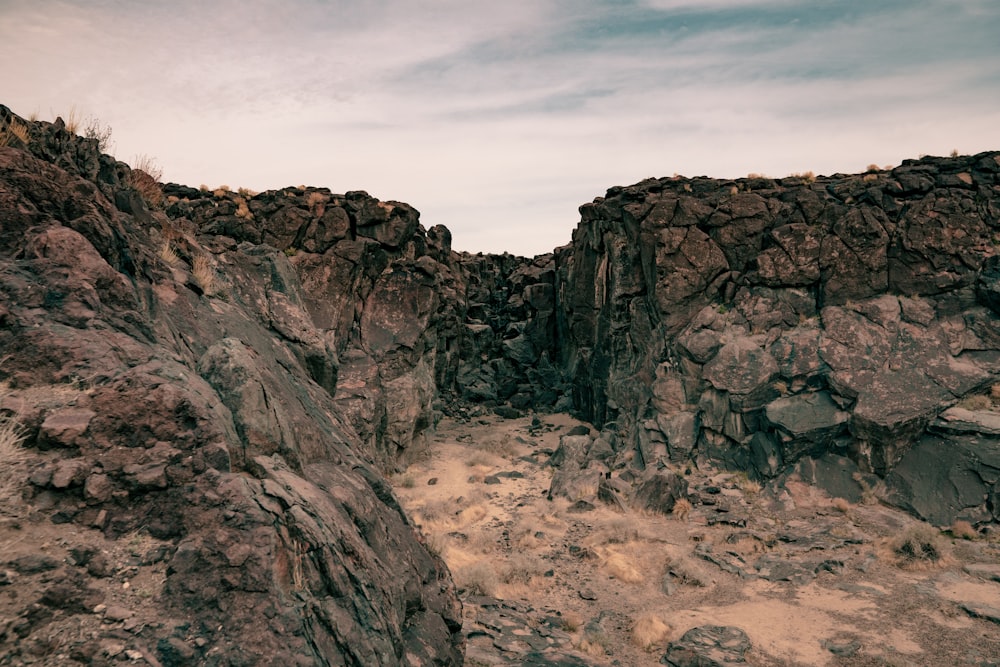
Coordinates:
x,y
761,322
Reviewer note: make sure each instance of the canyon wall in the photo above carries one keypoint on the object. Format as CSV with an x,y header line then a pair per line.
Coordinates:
x,y
763,322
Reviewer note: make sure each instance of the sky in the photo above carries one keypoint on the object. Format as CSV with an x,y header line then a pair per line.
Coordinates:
x,y
499,119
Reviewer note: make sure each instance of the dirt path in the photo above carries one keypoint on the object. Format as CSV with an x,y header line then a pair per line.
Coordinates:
x,y
809,580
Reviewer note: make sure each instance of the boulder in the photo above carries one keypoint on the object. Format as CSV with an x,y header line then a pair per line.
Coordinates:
x,y
659,492
708,646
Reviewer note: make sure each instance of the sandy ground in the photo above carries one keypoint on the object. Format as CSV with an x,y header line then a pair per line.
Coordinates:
x,y
619,586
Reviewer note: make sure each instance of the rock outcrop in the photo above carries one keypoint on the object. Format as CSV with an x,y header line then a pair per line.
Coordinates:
x,y
758,322
190,383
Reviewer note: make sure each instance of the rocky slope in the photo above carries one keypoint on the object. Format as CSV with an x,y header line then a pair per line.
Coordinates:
x,y
232,373
175,385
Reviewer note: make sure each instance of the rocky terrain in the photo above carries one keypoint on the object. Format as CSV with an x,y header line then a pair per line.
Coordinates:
x,y
776,575
211,386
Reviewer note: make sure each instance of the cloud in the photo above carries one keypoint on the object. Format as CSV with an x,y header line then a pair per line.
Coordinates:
x,y
499,119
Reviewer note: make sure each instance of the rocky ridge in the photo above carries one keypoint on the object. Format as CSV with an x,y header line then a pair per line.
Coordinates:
x,y
184,360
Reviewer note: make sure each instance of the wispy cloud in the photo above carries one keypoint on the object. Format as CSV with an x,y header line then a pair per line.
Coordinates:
x,y
499,119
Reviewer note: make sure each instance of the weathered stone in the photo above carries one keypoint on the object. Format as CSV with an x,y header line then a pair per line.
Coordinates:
x,y
708,646
741,367
659,492
62,428
806,422
947,477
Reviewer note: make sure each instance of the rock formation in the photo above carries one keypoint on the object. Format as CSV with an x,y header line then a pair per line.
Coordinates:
x,y
233,372
189,385
762,322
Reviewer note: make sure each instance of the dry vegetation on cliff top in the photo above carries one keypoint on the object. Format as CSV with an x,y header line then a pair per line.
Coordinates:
x,y
811,579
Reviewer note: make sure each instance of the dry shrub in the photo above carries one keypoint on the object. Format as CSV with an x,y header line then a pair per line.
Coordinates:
x,y
204,275
841,505
571,621
963,530
242,210
976,402
15,130
477,579
168,254
481,459
872,168
144,178
869,178
503,446
917,547
12,458
595,644
620,530
526,537
684,571
623,567
682,508
649,631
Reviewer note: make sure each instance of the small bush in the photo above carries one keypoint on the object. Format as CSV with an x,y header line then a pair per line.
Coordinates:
x,y
12,458
204,275
649,631
919,545
682,508
15,130
144,178
976,402
872,168
477,579
102,133
168,254
963,530
841,505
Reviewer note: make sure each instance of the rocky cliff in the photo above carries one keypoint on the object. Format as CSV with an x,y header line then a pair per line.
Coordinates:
x,y
192,385
765,323
231,372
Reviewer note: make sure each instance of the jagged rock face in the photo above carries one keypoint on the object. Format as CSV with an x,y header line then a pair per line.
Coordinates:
x,y
179,382
757,321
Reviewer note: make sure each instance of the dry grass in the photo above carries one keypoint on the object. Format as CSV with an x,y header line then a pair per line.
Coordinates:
x,y
242,210
169,255
595,644
477,579
918,547
963,530
649,632
204,275
619,530
682,508
571,621
144,178
623,567
841,505
976,402
807,176
72,121
15,130
12,458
